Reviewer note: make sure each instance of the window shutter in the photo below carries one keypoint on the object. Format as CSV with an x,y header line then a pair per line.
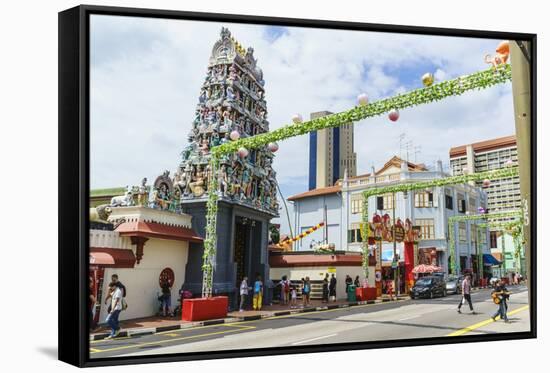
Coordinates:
x,y
380,203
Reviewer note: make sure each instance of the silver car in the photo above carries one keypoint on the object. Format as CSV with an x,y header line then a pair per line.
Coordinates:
x,y
454,284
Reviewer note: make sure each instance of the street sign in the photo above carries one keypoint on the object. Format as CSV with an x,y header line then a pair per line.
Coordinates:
x,y
394,264
331,270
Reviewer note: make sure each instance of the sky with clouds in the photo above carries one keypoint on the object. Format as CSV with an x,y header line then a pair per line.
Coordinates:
x,y
146,75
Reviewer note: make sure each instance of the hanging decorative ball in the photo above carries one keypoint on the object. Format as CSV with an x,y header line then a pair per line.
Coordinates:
x,y
363,99
393,115
467,212
234,135
486,183
428,79
509,163
273,147
465,170
297,118
242,152
481,210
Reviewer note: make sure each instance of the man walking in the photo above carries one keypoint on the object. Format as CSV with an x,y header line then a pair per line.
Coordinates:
x,y
116,307
500,296
466,294
114,279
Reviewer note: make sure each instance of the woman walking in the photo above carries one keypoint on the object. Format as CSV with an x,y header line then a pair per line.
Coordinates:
x,y
332,288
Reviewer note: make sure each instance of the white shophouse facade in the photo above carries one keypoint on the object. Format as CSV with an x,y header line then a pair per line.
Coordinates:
x,y
342,204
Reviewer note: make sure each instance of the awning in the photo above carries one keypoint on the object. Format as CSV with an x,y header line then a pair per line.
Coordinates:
x,y
488,259
112,258
157,230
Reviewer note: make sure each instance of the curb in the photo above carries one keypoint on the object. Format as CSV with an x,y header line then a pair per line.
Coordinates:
x,y
159,329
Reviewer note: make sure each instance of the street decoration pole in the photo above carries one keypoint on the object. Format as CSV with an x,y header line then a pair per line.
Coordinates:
x,y
520,56
436,92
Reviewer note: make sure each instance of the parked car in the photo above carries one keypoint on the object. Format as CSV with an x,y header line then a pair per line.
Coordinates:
x,y
454,284
429,287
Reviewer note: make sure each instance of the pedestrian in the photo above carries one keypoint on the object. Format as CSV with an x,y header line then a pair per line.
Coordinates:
x,y
243,291
116,308
357,282
114,278
92,299
166,299
258,292
500,296
466,294
349,281
325,288
293,298
285,289
306,290
332,288
270,288
389,288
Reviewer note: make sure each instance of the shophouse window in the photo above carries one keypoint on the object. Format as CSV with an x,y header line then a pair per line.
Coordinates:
x,y
423,199
384,202
356,205
427,229
462,232
461,203
448,200
354,234
473,234
388,201
472,205
493,238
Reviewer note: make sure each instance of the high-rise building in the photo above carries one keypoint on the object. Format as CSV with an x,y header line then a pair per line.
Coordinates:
x,y
330,154
502,194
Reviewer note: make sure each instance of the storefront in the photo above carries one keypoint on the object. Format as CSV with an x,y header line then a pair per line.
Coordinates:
x,y
144,247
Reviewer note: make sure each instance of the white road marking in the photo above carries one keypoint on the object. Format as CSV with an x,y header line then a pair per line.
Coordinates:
x,y
409,318
314,339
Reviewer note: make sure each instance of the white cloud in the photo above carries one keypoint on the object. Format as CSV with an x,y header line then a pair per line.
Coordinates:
x,y
147,73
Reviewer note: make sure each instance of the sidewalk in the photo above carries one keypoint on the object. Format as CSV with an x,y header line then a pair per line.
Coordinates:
x,y
155,324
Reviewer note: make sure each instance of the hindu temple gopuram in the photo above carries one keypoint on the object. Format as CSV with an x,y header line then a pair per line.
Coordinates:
x,y
231,105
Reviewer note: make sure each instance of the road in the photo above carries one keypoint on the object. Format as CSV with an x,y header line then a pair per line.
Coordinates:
x,y
420,318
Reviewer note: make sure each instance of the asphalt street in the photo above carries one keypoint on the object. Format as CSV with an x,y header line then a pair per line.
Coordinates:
x,y
420,318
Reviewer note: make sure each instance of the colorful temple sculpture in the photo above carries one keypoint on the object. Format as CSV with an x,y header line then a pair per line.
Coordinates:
x,y
231,105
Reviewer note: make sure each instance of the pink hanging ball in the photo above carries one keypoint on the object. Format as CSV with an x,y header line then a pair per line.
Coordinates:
x,y
242,152
486,183
393,115
273,147
234,135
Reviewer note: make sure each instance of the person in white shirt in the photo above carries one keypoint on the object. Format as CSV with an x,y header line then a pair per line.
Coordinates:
x,y
116,308
244,293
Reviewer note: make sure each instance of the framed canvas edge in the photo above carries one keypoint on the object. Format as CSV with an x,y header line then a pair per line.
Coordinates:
x,y
73,127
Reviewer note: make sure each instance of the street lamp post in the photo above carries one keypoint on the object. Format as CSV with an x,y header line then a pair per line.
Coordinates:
x,y
395,258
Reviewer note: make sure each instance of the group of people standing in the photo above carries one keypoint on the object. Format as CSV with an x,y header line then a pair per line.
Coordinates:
x,y
500,295
329,288
257,297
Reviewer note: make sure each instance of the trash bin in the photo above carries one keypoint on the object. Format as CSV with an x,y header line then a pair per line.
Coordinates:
x,y
351,293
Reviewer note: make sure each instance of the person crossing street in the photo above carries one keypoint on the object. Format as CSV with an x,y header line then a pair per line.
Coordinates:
x,y
466,294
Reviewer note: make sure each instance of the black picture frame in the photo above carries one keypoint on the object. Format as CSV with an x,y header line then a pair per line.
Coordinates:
x,y
74,188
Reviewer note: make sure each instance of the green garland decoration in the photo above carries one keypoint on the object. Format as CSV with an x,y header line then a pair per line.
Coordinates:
x,y
210,241
461,218
455,87
405,187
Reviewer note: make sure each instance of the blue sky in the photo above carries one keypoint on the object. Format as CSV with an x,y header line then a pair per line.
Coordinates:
x,y
146,75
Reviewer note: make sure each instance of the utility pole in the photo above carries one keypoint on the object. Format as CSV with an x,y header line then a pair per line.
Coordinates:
x,y
520,55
